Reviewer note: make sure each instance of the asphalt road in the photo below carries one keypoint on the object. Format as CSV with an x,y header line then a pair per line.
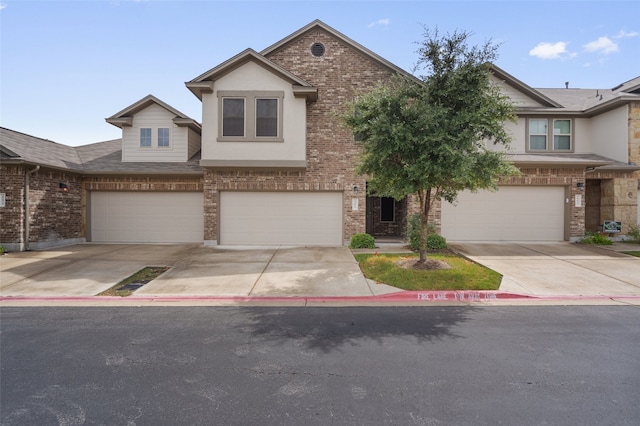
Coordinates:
x,y
317,366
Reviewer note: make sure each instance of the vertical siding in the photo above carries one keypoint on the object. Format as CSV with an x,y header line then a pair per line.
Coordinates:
x,y
154,117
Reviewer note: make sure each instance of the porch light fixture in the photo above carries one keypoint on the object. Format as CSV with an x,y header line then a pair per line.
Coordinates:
x,y
580,185
63,187
355,189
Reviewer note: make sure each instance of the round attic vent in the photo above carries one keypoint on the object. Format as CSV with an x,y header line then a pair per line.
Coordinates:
x,y
317,49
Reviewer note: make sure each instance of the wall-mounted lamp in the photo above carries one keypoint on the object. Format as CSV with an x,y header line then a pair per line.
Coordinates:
x,y
580,185
63,187
355,189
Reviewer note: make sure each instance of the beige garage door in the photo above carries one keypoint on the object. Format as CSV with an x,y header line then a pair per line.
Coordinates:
x,y
281,218
147,217
510,214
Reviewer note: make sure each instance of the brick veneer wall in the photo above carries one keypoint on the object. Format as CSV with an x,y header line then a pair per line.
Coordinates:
x,y
143,183
54,216
12,214
332,153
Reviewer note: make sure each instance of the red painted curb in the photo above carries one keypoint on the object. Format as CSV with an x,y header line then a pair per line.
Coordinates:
x,y
401,296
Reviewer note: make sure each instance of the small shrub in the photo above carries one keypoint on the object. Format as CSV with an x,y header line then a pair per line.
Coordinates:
x,y
597,239
2,250
434,241
634,233
362,241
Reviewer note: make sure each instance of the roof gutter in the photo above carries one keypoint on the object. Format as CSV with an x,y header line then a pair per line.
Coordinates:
x,y
27,206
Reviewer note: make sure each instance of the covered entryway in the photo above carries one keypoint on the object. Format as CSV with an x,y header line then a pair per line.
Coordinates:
x,y
146,217
281,218
386,217
513,213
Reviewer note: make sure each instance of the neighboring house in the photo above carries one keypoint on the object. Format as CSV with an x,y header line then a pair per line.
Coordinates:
x,y
272,164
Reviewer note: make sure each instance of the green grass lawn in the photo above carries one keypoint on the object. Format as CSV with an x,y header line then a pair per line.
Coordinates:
x,y
463,275
632,253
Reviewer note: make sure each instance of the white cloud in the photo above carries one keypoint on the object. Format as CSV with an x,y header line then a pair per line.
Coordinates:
x,y
624,34
381,22
602,45
546,50
3,6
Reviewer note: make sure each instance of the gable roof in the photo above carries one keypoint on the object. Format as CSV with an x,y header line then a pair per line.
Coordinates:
x,y
97,158
591,102
523,88
125,117
204,82
318,24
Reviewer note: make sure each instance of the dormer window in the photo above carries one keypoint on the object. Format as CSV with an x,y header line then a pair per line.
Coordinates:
x,y
145,137
254,116
543,137
163,137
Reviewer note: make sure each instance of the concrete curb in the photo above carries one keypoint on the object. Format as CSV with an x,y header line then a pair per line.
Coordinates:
x,y
418,298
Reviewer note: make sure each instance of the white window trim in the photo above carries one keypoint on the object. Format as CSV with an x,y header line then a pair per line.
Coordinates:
x,y
250,116
155,137
140,138
170,145
550,135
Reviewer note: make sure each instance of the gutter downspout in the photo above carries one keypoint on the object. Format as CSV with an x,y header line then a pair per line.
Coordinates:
x,y
27,207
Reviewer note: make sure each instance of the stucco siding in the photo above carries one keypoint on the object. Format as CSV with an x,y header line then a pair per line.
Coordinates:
x,y
609,134
252,77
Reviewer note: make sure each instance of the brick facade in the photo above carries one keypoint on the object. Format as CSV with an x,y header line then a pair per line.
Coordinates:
x,y
55,216
339,75
332,152
12,214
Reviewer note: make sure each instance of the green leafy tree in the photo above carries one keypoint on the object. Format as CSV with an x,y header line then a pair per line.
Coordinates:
x,y
434,136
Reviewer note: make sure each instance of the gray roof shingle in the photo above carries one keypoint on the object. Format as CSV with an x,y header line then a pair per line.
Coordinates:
x,y
97,158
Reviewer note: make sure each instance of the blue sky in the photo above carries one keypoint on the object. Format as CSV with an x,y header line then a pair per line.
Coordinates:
x,y
67,65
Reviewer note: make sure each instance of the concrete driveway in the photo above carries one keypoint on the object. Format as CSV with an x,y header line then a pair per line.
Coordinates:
x,y
88,269
558,269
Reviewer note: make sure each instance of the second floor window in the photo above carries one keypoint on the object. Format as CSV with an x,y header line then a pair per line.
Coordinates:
x,y
163,137
145,137
267,117
562,135
250,116
549,134
233,117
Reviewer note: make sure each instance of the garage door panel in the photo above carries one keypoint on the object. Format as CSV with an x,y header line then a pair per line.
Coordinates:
x,y
281,218
147,217
510,214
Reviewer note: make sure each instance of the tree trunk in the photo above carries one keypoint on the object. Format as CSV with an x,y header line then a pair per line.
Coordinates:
x,y
425,206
